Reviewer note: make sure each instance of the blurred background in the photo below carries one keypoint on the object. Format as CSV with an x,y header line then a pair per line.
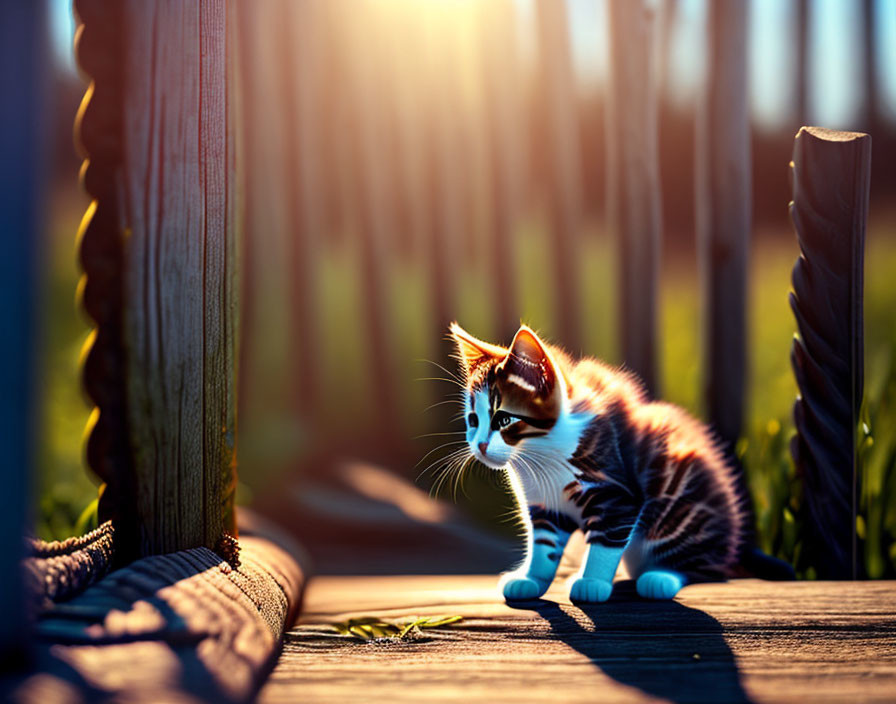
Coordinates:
x,y
400,167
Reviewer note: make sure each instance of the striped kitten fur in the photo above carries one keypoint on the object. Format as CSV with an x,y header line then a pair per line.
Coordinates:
x,y
586,449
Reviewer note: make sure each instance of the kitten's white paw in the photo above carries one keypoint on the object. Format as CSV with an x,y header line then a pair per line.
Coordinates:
x,y
659,584
590,591
523,588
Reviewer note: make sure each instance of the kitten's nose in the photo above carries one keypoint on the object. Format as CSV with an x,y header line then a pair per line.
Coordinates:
x,y
483,446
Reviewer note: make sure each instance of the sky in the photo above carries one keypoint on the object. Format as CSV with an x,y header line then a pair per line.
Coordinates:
x,y
835,53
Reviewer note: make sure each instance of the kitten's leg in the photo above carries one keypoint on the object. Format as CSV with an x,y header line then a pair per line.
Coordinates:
x,y
595,580
608,531
547,538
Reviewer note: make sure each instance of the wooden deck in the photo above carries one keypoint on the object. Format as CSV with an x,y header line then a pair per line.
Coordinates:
x,y
743,641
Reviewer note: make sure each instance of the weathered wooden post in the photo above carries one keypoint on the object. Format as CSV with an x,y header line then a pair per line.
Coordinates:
x,y
22,85
723,209
157,246
156,126
633,197
558,96
831,178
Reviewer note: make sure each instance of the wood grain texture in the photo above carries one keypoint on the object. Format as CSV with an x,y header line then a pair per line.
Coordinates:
x,y
179,627
831,177
24,81
179,317
743,641
723,208
633,192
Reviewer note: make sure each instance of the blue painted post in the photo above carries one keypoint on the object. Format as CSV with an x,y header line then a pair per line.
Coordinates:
x,y
22,85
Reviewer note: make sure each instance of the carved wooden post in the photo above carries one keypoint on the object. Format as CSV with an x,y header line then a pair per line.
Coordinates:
x,y
558,96
831,176
723,209
633,198
157,247
22,85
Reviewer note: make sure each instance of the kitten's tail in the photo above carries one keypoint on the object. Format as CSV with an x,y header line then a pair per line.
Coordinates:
x,y
757,564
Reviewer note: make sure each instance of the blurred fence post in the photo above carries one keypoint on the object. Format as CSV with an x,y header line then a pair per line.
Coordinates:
x,y
558,98
23,85
801,25
372,182
503,112
158,250
300,42
723,210
449,202
831,179
633,197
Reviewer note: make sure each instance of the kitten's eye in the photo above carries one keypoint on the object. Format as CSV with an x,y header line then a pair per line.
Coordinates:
x,y
501,420
473,420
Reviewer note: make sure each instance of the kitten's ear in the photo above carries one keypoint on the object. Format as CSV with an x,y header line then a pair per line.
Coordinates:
x,y
530,363
473,351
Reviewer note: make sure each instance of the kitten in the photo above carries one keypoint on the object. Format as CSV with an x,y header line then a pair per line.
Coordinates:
x,y
586,449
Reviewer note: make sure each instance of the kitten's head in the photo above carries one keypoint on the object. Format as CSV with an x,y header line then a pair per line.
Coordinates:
x,y
514,395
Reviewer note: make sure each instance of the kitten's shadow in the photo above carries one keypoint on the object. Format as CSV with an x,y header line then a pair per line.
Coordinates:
x,y
660,647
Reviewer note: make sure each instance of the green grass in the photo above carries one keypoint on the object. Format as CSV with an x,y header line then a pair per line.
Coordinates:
x,y
271,436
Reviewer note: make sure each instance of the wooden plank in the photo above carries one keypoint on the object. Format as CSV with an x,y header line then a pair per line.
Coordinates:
x,y
558,96
724,213
633,191
181,627
173,221
831,173
23,82
747,640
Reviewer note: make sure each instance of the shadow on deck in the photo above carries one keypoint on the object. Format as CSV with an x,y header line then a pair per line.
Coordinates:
x,y
637,642
742,641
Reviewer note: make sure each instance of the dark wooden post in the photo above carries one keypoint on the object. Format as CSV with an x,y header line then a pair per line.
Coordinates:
x,y
831,177
22,85
158,253
723,209
633,198
558,96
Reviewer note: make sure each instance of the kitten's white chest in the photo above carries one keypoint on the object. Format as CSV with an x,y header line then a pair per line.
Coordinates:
x,y
545,486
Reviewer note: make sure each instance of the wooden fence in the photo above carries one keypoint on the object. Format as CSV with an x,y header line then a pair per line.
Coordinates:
x,y
296,118
425,141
